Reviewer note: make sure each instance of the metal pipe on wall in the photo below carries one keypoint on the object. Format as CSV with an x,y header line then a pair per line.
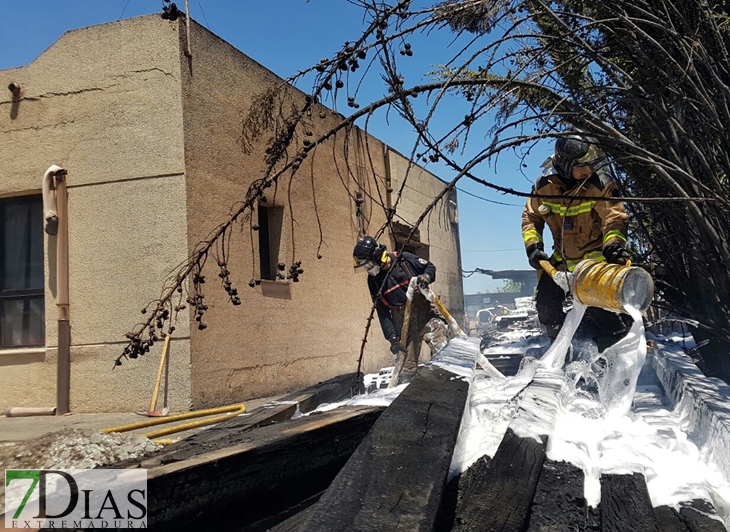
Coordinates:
x,y
55,206
25,411
187,30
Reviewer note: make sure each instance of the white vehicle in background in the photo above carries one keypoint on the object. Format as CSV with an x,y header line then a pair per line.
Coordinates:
x,y
523,313
527,303
484,320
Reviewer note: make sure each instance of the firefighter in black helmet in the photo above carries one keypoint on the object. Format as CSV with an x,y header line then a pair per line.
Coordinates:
x,y
593,227
388,278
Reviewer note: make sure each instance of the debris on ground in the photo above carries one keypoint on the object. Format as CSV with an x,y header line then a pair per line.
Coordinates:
x,y
73,449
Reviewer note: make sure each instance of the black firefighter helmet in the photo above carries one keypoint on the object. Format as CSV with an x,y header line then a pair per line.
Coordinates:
x,y
368,250
576,149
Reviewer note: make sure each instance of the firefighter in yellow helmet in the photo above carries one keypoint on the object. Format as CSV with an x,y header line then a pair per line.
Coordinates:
x,y
581,229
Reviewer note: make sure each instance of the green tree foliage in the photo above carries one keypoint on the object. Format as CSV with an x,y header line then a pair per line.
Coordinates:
x,y
510,287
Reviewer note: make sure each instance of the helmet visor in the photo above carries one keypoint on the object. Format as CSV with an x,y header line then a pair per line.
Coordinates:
x,y
565,162
592,158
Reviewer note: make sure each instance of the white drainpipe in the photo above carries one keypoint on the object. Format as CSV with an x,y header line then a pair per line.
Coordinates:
x,y
55,209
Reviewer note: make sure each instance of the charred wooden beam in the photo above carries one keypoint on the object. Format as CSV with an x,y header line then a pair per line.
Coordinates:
x,y
218,437
668,520
625,504
501,499
396,478
455,492
330,391
699,515
231,431
558,504
272,469
508,364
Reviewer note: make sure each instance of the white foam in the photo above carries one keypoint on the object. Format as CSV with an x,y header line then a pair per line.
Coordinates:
x,y
650,441
536,414
563,280
376,398
554,358
624,360
492,404
458,357
595,428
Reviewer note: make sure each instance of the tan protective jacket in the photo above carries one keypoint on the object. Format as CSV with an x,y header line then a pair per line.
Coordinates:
x,y
580,228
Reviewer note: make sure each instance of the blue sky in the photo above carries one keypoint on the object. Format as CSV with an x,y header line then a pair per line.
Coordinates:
x,y
290,35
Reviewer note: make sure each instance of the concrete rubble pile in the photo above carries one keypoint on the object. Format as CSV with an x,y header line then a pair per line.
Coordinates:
x,y
73,449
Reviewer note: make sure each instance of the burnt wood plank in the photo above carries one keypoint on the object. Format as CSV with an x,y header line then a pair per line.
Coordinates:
x,y
508,365
212,438
558,504
295,522
286,521
668,520
501,499
454,494
271,470
304,401
228,432
333,390
698,516
625,504
219,437
396,478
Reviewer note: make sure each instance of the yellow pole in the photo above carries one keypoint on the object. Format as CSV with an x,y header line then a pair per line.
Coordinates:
x,y
193,424
163,358
239,409
549,268
400,359
447,315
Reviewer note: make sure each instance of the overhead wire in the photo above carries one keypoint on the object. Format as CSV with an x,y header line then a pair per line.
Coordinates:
x,y
204,17
123,10
487,199
492,250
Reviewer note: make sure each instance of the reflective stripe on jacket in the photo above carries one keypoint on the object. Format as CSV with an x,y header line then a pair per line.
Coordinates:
x,y
580,228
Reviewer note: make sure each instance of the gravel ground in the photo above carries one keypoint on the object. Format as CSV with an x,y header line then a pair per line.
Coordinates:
x,y
72,449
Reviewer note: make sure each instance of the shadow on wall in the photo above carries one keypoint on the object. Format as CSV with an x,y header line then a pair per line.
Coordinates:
x,y
14,88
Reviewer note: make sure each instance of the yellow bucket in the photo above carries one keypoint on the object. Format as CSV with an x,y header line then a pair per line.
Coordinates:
x,y
612,286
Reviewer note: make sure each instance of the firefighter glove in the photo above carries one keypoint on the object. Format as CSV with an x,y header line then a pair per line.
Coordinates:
x,y
423,280
395,346
536,253
616,253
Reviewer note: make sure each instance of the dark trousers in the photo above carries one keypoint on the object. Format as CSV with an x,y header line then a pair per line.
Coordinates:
x,y
421,315
604,326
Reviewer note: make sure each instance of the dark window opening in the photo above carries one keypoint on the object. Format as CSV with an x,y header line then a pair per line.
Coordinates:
x,y
270,223
22,305
417,248
400,234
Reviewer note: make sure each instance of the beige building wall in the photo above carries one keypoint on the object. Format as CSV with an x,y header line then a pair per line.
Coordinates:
x,y
151,139
104,102
439,230
285,335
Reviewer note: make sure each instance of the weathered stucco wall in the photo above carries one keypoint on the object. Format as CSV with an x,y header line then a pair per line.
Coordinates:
x,y
103,102
312,329
440,230
152,141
